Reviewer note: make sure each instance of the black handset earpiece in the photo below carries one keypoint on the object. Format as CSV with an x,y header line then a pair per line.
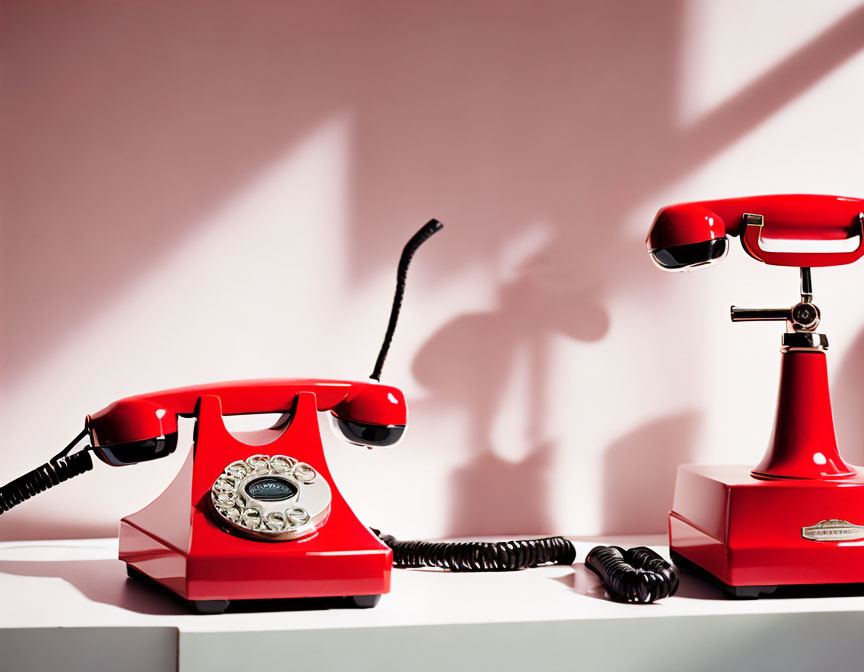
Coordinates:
x,y
133,452
368,434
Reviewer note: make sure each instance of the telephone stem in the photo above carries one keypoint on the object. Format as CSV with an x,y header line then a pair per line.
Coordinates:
x,y
806,285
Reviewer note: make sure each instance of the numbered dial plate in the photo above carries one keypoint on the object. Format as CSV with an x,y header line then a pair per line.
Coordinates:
x,y
275,498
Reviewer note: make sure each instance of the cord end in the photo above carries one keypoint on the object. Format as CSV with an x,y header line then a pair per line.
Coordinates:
x,y
434,225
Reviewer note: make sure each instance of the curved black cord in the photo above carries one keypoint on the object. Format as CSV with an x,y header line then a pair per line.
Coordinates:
x,y
429,229
635,575
60,468
480,556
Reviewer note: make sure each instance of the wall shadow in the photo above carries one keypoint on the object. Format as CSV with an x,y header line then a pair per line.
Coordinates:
x,y
126,125
467,364
601,164
639,474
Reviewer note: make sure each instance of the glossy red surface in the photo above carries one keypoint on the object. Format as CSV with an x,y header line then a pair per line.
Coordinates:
x,y
745,526
747,531
787,219
146,416
803,444
176,541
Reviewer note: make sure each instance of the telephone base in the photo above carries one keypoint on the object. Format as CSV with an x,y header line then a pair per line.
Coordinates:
x,y
325,574
758,536
205,607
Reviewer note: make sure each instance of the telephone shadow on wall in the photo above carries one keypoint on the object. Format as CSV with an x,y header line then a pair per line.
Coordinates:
x,y
469,129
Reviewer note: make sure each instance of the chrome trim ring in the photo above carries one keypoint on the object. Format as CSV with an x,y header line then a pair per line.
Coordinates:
x,y
807,341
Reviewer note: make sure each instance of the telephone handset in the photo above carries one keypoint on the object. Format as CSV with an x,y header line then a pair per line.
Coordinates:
x,y
801,230
267,497
242,491
144,427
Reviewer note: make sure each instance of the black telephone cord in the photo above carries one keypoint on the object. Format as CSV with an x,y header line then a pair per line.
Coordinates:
x,y
429,229
636,575
60,468
480,556
471,556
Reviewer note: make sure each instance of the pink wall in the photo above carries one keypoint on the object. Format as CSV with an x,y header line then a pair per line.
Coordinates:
x,y
203,191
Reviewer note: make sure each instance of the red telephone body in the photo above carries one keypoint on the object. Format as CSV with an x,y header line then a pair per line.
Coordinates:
x,y
180,540
797,518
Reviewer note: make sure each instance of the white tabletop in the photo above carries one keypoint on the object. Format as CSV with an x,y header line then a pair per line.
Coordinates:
x,y
528,617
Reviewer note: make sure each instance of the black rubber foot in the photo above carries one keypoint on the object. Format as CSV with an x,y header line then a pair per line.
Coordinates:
x,y
364,601
682,563
748,592
133,573
209,606
735,592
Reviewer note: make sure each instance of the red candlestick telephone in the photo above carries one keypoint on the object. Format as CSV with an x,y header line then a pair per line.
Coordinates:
x,y
257,515
797,518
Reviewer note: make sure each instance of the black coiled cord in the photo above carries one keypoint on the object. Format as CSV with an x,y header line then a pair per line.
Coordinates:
x,y
480,556
637,575
60,468
470,556
429,229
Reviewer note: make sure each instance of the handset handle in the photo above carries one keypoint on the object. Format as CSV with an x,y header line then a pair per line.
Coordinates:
x,y
807,246
154,415
803,230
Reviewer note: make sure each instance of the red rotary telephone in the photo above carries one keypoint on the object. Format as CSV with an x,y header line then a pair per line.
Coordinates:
x,y
257,514
280,490
213,535
797,518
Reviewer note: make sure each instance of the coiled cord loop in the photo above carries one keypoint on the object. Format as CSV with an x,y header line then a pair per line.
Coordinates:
x,y
480,556
637,575
60,468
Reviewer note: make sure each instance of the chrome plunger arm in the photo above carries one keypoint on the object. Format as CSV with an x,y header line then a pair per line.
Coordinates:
x,y
802,319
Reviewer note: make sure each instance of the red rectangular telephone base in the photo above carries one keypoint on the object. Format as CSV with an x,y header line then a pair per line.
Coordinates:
x,y
180,542
754,535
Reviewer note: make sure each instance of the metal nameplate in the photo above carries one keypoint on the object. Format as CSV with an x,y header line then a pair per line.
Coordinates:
x,y
833,530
